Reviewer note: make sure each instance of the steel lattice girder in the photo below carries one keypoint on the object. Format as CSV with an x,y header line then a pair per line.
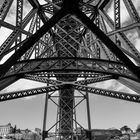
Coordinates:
x,y
31,92
4,8
80,75
74,64
126,69
31,41
123,37
109,93
54,20
94,80
43,80
98,91
11,38
108,42
100,78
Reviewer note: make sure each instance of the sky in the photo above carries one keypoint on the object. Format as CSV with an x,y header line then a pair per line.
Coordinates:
x,y
105,112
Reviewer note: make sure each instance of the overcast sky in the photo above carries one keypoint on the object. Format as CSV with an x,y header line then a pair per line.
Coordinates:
x,y
105,112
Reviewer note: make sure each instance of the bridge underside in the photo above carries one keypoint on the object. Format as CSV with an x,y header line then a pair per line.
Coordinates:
x,y
70,46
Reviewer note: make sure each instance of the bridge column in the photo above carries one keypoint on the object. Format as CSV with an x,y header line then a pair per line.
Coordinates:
x,y
44,132
88,116
66,46
66,101
66,110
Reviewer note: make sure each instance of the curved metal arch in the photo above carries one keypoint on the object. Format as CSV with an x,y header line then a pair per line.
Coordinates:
x,y
71,65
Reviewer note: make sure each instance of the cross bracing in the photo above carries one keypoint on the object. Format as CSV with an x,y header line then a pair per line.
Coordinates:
x,y
59,41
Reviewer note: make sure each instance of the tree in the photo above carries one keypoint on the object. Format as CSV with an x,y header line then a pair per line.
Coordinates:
x,y
126,130
138,128
18,130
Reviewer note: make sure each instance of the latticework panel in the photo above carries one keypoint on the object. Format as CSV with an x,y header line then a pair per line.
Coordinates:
x,y
67,40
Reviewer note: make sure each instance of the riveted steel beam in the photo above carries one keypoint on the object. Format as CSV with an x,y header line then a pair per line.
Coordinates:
x,y
109,93
26,93
5,8
108,42
121,35
31,41
11,38
41,79
81,65
94,80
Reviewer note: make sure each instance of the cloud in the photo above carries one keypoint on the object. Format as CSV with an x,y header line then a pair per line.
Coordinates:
x,y
137,44
23,84
137,5
1,2
114,85
134,38
125,17
132,35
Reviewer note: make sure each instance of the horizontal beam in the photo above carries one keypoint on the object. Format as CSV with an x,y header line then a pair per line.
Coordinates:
x,y
42,79
27,93
97,91
94,80
81,82
80,64
109,93
61,74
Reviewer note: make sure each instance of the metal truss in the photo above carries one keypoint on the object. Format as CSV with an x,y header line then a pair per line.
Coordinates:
x,y
66,119
19,18
94,80
10,40
109,93
4,8
79,75
73,64
80,82
61,41
26,93
122,36
43,80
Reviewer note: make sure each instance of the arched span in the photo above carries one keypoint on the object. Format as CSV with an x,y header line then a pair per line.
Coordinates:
x,y
71,65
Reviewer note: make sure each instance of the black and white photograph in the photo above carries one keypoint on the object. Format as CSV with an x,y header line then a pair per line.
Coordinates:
x,y
69,69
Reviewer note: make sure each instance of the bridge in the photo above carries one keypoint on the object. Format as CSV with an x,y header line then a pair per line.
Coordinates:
x,y
69,45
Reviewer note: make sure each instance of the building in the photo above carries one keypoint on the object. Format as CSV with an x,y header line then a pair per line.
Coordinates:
x,y
27,135
102,134
30,136
38,131
5,129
